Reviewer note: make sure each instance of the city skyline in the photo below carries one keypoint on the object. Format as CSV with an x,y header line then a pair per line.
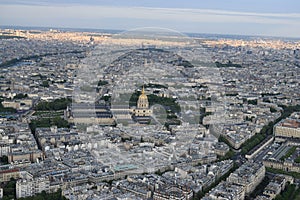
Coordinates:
x,y
250,18
149,99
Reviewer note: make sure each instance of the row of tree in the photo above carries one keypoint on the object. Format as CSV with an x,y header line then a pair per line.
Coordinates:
x,y
48,122
290,192
57,104
268,129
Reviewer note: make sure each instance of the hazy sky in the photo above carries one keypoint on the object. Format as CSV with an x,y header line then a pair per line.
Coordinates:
x,y
246,17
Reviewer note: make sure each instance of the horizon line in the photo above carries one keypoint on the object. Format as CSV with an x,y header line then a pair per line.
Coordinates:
x,y
120,30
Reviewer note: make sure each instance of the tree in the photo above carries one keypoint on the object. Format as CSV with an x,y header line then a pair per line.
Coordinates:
x,y
45,84
9,190
57,104
4,160
101,83
20,96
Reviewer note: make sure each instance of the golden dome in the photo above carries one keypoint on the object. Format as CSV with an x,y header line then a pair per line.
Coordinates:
x,y
143,95
143,100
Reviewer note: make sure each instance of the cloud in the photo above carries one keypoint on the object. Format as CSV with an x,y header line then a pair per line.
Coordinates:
x,y
86,16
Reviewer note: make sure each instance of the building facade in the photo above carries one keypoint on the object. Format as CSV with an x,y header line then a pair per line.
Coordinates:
x,y
249,175
288,128
30,186
142,113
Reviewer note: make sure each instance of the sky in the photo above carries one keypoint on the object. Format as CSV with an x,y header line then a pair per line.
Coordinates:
x,y
239,17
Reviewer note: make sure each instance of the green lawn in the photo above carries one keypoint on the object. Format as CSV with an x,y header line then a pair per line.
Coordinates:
x,y
279,171
290,152
297,160
290,192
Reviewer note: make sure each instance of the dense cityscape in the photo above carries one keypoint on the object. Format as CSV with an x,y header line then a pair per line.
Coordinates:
x,y
92,115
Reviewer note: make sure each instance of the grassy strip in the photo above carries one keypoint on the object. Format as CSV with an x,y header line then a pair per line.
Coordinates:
x,y
229,64
289,153
49,113
279,171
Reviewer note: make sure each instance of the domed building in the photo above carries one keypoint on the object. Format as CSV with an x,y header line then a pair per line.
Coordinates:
x,y
143,101
142,112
